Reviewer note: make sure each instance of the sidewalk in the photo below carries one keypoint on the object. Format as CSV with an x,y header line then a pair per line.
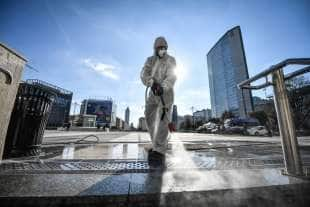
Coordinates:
x,y
198,173
266,187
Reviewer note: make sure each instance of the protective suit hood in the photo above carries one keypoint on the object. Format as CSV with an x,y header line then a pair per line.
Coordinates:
x,y
160,42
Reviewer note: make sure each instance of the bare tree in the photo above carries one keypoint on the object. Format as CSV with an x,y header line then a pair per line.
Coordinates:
x,y
299,97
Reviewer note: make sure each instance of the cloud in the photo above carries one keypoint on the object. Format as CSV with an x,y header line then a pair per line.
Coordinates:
x,y
106,70
197,98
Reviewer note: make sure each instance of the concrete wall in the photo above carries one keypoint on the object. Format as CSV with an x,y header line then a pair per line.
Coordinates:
x,y
10,61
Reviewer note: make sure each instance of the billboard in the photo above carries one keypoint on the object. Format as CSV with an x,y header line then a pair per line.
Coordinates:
x,y
105,110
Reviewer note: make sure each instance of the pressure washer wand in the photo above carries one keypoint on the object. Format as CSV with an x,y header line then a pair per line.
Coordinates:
x,y
171,125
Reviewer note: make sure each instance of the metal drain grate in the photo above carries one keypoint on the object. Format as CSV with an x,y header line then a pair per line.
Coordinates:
x,y
75,167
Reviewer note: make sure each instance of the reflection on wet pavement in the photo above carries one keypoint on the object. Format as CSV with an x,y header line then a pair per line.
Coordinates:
x,y
103,151
177,153
132,157
68,152
190,154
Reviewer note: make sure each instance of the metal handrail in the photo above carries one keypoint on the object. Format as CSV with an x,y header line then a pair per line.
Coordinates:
x,y
297,73
257,87
273,68
286,77
292,159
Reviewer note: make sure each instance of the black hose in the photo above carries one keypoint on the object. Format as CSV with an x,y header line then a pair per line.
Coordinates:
x,y
83,139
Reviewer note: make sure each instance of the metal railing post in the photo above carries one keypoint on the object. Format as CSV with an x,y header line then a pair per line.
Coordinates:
x,y
290,149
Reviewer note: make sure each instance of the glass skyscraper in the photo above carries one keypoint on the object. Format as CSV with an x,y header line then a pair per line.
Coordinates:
x,y
226,68
127,114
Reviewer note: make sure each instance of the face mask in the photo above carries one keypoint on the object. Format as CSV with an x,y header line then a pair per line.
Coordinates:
x,y
162,52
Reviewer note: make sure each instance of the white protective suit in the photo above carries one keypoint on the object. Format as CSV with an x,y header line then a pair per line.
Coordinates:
x,y
161,70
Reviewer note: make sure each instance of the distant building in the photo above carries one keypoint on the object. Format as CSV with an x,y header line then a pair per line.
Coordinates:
x,y
132,127
83,120
188,121
61,107
142,124
226,68
202,115
209,114
88,120
261,104
127,115
175,115
180,122
74,119
104,109
120,124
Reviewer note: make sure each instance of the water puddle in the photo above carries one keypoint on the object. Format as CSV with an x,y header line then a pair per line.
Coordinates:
x,y
103,151
176,154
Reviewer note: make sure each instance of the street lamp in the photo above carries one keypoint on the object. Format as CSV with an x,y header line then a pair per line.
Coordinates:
x,y
193,116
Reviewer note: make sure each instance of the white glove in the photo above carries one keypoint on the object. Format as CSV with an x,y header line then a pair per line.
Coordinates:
x,y
150,82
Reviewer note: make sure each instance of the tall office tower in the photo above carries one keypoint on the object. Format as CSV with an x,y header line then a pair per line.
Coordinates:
x,y
127,114
226,68
175,115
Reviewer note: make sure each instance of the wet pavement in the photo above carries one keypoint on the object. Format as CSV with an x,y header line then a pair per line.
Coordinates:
x,y
213,170
66,137
103,151
264,187
90,155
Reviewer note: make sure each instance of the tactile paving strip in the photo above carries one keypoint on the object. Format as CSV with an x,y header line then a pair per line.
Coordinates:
x,y
76,167
125,166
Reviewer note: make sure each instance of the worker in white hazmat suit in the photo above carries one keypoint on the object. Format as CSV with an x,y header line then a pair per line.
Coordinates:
x,y
158,73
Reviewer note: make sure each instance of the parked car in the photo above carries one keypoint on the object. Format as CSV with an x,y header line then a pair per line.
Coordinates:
x,y
240,122
258,131
200,129
215,130
208,127
235,130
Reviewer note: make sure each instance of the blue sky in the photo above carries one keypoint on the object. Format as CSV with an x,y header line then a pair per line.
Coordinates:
x,y
97,48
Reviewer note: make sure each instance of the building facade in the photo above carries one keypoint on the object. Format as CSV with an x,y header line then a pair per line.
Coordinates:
x,y
88,120
226,68
61,107
203,115
142,124
120,124
260,104
104,109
